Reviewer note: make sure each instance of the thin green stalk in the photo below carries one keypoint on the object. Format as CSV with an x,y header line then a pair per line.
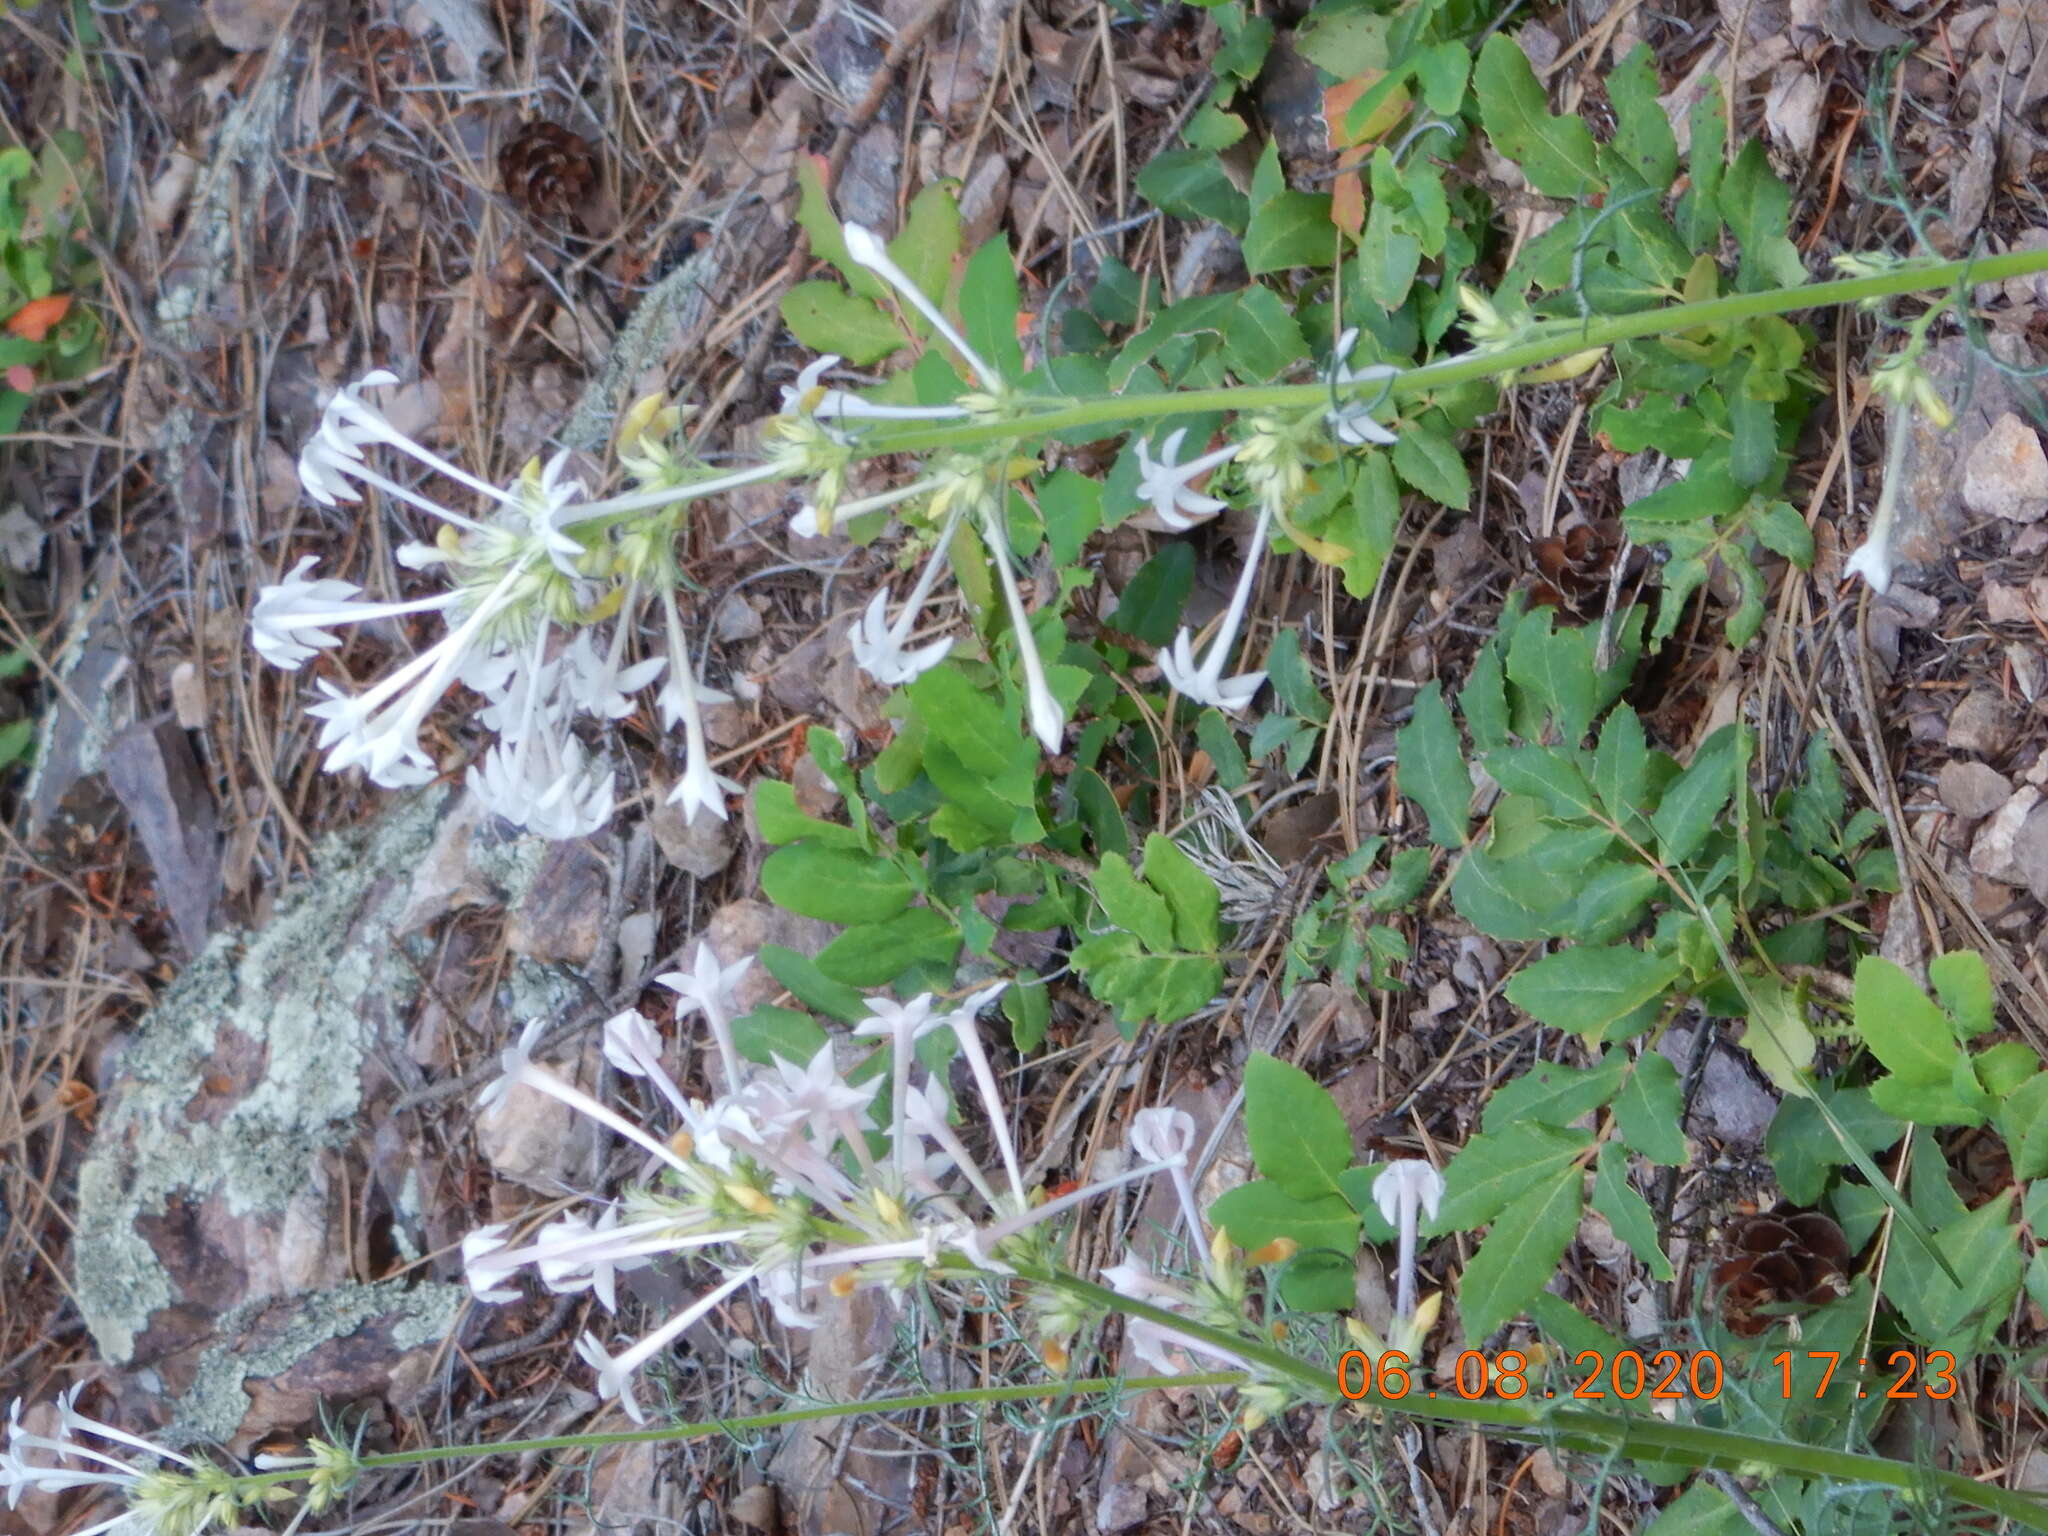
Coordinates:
x,y
1650,1438
1550,342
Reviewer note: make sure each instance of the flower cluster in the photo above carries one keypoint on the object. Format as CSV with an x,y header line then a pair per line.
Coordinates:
x,y
162,1493
793,1179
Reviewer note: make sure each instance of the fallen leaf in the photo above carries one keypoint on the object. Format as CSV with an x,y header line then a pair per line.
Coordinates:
x,y
153,773
33,320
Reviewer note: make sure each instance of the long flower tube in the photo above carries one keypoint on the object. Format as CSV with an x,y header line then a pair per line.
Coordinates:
x,y
1205,683
866,247
1048,720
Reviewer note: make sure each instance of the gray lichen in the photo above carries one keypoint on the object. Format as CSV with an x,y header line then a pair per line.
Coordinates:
x,y
309,991
211,1411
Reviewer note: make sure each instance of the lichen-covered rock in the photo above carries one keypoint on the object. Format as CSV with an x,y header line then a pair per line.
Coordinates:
x,y
206,1208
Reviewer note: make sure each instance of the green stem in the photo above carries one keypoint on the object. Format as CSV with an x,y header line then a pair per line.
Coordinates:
x,y
1552,341
1575,1429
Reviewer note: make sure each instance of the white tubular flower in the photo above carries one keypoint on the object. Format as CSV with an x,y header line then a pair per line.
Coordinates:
x,y
291,618
962,1022
521,1071
701,788
1165,482
1205,683
814,1101
924,1115
1351,422
1048,720
1153,1342
598,685
810,398
902,1025
484,1264
878,645
1167,1135
574,1254
711,989
549,784
1408,1188
633,1046
615,1373
380,728
156,1498
550,503
806,525
333,456
866,247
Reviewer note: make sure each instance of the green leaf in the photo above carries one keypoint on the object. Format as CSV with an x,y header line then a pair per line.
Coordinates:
x,y
1983,1248
1650,1112
1151,604
1776,1035
1550,1094
1963,983
1804,1151
989,303
776,814
1293,682
1547,774
1555,153
1505,898
1781,530
1496,1168
1218,737
1388,255
835,885
875,954
811,986
1288,229
1071,506
1642,131
1428,459
1612,901
1709,491
1029,1010
1483,701
1628,1213
1521,1251
1440,69
1901,1025
1317,1280
1256,1213
1758,208
1555,668
1621,767
1701,1510
1242,55
1133,905
979,732
1297,1134
1692,804
826,318
1345,40
2023,1122
1261,336
1139,986
1190,184
928,242
1432,770
769,1034
828,240
1193,896
1589,990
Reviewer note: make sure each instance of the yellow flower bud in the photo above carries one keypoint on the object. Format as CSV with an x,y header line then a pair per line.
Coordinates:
x,y
1278,1251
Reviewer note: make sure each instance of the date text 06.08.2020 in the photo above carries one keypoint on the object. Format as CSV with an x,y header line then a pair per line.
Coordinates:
x,y
1666,1374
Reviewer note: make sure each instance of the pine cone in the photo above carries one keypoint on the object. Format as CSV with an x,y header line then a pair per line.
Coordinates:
x,y
1784,1257
1575,566
548,171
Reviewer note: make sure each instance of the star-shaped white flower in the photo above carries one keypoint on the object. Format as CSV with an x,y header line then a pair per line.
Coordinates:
x,y
1165,482
1352,422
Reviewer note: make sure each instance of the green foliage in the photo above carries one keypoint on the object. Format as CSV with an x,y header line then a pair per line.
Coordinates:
x,y
48,333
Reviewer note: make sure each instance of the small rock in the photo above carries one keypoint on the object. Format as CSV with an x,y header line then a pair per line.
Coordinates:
x,y
1991,854
701,847
2025,662
1981,724
2005,603
2030,853
736,620
1973,790
815,794
2006,474
562,917
755,1507
742,928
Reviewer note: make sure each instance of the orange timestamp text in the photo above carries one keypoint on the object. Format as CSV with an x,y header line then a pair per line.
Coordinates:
x,y
1628,1374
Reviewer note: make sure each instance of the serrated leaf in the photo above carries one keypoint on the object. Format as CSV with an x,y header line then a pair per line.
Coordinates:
x,y
928,242
1621,766
1627,1213
1901,1025
1388,256
1588,989
1551,1094
1777,1037
2023,1122
1555,668
1547,774
1262,337
1613,900
1192,895
1429,460
1650,1111
1963,983
1555,153
826,318
1133,905
1029,1010
1484,700
1139,986
1692,803
1497,1167
1070,505
978,731
1297,1134
1256,1213
1983,1248
1521,1253
1432,769
1642,131
1505,898
1441,69
1291,229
